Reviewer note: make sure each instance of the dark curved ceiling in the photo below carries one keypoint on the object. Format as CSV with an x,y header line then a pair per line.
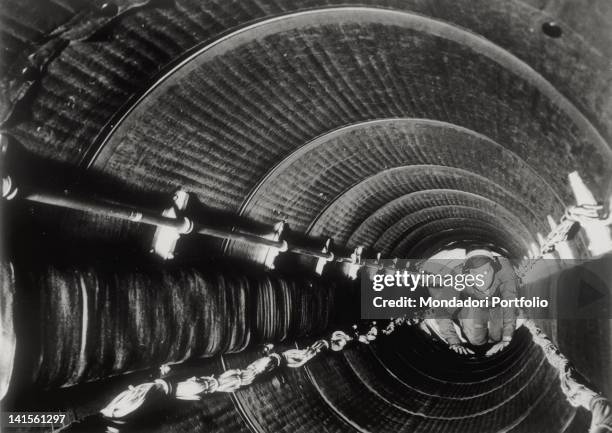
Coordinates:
x,y
296,113
403,126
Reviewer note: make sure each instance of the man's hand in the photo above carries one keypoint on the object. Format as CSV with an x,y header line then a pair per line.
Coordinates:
x,y
498,347
461,349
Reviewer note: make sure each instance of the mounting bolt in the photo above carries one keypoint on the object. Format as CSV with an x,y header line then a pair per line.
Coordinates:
x,y
109,9
29,73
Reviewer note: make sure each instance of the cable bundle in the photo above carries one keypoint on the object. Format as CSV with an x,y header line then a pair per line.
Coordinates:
x,y
82,324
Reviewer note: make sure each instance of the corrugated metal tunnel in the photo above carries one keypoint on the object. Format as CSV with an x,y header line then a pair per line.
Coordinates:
x,y
405,127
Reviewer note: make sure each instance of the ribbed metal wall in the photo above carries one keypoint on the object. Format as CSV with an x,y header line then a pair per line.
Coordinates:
x,y
399,125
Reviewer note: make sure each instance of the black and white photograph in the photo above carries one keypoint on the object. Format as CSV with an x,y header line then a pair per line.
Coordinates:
x,y
296,216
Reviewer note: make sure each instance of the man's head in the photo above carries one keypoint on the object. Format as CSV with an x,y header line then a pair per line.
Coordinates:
x,y
481,262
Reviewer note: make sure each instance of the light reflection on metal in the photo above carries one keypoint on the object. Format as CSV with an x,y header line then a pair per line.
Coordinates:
x,y
596,229
165,238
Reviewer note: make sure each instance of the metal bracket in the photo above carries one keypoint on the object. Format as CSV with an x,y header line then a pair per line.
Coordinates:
x,y
391,268
9,189
321,262
377,262
273,252
165,238
356,263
